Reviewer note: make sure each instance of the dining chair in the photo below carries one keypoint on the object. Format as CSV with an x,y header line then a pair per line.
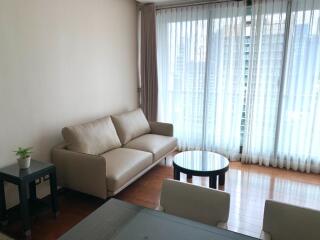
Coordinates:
x,y
194,202
282,221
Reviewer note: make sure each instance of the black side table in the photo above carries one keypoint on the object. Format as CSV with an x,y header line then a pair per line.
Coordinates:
x,y
25,179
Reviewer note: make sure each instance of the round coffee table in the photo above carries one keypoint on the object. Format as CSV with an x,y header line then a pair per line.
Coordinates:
x,y
201,163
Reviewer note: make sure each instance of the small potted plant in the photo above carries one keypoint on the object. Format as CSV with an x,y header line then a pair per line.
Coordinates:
x,y
24,155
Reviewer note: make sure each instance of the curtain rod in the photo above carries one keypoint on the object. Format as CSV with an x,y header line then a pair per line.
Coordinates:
x,y
189,4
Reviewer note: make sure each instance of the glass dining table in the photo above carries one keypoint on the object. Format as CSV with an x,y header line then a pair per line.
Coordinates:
x,y
118,220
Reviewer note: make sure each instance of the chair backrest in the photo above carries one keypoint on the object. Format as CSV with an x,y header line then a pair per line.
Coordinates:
x,y
285,221
197,203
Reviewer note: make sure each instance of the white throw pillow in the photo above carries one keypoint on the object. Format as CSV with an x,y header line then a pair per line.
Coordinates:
x,y
94,137
130,125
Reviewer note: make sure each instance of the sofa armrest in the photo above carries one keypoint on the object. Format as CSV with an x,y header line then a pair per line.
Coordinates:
x,y
81,172
165,129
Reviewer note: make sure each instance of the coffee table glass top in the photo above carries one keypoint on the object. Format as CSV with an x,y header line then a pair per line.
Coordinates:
x,y
202,161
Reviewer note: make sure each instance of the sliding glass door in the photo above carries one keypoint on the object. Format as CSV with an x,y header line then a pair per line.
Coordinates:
x,y
243,80
201,74
266,39
298,146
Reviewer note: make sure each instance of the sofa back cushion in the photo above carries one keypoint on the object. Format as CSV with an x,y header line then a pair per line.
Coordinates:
x,y
94,137
130,125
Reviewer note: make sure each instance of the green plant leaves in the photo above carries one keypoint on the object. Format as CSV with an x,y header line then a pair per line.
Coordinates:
x,y
23,152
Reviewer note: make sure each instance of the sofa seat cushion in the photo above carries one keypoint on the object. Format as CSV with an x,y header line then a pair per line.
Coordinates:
x,y
123,164
158,145
130,125
94,137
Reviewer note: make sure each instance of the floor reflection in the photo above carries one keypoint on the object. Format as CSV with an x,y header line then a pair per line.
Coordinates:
x,y
249,187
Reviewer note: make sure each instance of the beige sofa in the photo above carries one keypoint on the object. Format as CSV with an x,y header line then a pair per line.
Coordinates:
x,y
104,156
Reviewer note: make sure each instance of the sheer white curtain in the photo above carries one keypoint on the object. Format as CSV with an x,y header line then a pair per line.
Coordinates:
x,y
266,40
243,81
299,127
201,74
182,47
283,105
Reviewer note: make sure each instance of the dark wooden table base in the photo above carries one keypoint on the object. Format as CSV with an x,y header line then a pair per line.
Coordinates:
x,y
212,177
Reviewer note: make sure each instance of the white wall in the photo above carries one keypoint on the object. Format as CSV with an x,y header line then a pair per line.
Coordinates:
x,y
62,62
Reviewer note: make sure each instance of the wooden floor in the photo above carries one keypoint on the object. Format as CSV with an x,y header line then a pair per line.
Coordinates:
x,y
249,186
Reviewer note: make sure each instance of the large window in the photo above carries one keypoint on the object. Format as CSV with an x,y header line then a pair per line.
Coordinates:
x,y
197,85
243,80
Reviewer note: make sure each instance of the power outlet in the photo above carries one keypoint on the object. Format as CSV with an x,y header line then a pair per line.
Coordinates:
x,y
45,178
38,181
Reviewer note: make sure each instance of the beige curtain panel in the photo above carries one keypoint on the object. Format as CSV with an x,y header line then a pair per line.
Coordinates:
x,y
148,62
